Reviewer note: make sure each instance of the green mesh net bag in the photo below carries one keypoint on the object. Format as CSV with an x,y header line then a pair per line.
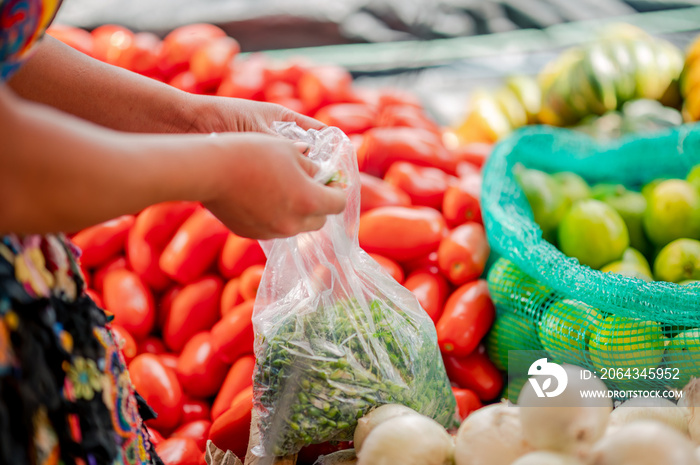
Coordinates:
x,y
643,333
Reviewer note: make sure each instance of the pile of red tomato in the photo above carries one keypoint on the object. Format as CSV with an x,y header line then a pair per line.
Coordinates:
x,y
181,286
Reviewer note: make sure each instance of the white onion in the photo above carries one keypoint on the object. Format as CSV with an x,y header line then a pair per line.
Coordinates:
x,y
644,443
490,436
568,423
647,408
407,440
547,458
691,402
374,418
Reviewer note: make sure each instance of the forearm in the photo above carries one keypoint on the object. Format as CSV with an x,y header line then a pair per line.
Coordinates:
x,y
66,79
60,173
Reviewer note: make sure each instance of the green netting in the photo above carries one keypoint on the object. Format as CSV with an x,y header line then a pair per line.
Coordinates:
x,y
548,301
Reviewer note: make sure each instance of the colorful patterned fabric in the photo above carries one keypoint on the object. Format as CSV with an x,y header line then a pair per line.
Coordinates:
x,y
65,395
22,23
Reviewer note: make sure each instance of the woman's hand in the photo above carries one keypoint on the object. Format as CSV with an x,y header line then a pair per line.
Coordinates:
x,y
263,188
225,114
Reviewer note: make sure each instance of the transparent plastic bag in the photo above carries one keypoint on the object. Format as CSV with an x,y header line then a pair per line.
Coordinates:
x,y
335,335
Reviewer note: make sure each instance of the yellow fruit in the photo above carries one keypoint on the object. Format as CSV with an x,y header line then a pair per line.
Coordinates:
x,y
485,121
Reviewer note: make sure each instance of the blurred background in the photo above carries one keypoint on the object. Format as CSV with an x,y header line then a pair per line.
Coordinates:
x,y
440,49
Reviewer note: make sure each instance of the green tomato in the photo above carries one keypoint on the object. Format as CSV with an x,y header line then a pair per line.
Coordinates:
x,y
678,261
673,212
694,177
565,328
683,353
573,186
546,198
593,232
620,342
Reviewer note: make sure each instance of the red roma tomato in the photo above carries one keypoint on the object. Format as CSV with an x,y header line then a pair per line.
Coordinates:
x,y
392,96
475,372
280,90
406,116
165,305
383,146
245,78
182,43
169,360
194,409
199,371
155,436
187,82
195,308
77,38
238,254
144,260
468,316
117,263
467,402
151,345
351,118
465,169
103,241
125,342
427,263
289,71
131,302
95,297
375,192
231,296
239,377
390,266
153,229
424,185
179,451
250,281
157,224
197,430
476,153
462,202
110,43
160,388
430,289
401,233
142,55
210,62
231,429
323,85
233,335
462,255
194,247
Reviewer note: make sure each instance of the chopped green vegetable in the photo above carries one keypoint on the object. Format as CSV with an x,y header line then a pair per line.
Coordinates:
x,y
325,369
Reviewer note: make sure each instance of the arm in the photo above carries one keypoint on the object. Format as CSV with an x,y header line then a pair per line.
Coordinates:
x,y
64,78
60,173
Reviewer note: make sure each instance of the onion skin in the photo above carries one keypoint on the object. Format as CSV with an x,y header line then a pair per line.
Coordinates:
x,y
407,440
654,409
491,435
374,418
547,458
568,423
644,443
691,401
342,457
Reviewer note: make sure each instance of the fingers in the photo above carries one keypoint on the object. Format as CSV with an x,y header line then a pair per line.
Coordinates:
x,y
303,147
306,122
328,200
